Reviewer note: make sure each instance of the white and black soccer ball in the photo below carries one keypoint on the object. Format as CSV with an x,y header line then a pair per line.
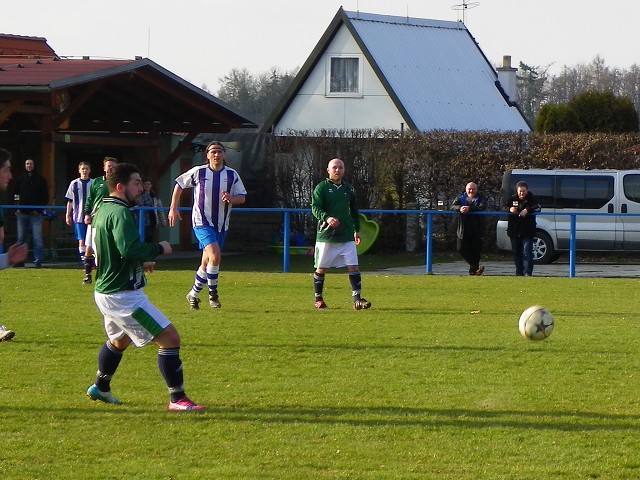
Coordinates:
x,y
536,323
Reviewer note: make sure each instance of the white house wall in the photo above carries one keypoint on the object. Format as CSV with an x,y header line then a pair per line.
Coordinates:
x,y
311,110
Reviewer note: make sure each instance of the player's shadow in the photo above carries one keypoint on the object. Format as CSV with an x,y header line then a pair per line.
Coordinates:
x,y
367,416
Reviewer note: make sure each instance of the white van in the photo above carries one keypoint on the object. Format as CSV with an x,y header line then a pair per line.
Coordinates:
x,y
578,191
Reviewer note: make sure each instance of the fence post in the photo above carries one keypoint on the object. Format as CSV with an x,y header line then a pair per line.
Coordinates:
x,y
141,213
285,242
429,244
572,247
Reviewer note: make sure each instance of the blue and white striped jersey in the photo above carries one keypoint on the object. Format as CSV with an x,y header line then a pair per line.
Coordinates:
x,y
77,195
208,208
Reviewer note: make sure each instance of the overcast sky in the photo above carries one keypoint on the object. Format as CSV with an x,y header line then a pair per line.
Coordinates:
x,y
202,40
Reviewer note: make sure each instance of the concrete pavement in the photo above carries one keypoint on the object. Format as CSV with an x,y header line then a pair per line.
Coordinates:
x,y
557,269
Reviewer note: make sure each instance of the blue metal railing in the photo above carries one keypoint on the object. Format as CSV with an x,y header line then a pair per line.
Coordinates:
x,y
428,214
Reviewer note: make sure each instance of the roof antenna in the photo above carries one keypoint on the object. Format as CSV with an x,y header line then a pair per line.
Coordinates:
x,y
462,7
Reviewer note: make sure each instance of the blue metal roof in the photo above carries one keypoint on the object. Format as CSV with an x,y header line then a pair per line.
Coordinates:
x,y
436,72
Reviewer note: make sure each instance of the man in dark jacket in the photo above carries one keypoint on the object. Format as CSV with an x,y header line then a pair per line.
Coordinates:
x,y
31,189
470,227
521,228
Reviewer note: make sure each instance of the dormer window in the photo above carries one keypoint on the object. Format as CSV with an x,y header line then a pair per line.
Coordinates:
x,y
344,76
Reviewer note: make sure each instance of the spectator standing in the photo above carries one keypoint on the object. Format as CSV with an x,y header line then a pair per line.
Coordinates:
x,y
216,188
521,227
15,253
333,204
31,189
152,218
470,227
76,198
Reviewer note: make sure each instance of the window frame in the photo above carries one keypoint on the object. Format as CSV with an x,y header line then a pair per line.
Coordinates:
x,y
328,70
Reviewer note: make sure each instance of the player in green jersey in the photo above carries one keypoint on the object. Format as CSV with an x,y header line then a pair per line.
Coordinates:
x,y
97,191
129,317
333,204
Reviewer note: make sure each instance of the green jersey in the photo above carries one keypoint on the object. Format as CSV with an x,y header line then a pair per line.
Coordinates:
x,y
97,191
339,201
119,251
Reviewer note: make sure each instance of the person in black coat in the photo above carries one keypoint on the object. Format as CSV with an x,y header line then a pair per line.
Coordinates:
x,y
31,189
470,227
521,228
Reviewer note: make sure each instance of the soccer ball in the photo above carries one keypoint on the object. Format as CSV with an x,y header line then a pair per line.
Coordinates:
x,y
536,323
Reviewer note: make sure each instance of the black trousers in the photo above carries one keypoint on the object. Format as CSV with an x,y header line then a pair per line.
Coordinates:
x,y
470,247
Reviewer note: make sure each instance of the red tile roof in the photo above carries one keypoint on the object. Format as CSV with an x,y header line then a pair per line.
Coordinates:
x,y
19,45
45,71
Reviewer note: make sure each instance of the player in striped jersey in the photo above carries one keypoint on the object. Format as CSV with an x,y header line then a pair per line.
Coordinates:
x,y
76,197
216,188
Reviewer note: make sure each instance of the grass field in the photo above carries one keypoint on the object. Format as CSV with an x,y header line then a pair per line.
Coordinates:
x,y
433,382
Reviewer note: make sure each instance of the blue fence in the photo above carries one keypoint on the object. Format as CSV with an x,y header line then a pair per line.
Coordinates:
x,y
427,214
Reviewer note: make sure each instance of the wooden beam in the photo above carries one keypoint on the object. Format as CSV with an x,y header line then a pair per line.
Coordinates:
x,y
77,102
26,108
107,141
192,99
182,147
7,110
48,155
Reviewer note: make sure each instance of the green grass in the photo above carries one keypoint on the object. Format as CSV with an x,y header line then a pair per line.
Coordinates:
x,y
273,262
433,382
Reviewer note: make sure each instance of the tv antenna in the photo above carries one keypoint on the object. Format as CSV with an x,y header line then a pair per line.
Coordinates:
x,y
463,7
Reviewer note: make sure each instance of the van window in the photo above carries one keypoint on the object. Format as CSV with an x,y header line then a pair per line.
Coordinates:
x,y
631,185
539,185
588,192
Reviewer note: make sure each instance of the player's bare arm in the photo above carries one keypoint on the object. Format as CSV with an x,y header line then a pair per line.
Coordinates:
x,y
238,200
166,248
174,213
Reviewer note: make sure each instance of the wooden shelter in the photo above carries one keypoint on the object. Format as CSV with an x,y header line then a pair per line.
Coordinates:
x,y
102,102
49,105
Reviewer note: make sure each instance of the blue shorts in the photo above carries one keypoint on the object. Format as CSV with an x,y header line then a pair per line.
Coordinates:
x,y
81,231
208,235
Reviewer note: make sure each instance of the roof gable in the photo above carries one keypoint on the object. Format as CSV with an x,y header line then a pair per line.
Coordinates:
x,y
433,70
114,95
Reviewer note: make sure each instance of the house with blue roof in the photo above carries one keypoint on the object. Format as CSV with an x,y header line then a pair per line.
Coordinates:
x,y
372,71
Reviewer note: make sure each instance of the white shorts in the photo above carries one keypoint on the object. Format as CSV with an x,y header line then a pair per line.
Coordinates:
x,y
131,313
336,255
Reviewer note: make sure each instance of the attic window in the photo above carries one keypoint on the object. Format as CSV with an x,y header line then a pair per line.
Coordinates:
x,y
344,76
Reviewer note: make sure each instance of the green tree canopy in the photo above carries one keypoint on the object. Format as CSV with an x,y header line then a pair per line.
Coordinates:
x,y
591,111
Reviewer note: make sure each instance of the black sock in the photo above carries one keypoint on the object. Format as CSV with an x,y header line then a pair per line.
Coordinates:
x,y
88,264
318,284
108,360
356,284
170,367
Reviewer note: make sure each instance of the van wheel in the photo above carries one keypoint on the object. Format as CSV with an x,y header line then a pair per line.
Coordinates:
x,y
543,248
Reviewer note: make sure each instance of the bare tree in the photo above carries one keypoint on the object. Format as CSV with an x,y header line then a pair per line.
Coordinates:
x,y
254,95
